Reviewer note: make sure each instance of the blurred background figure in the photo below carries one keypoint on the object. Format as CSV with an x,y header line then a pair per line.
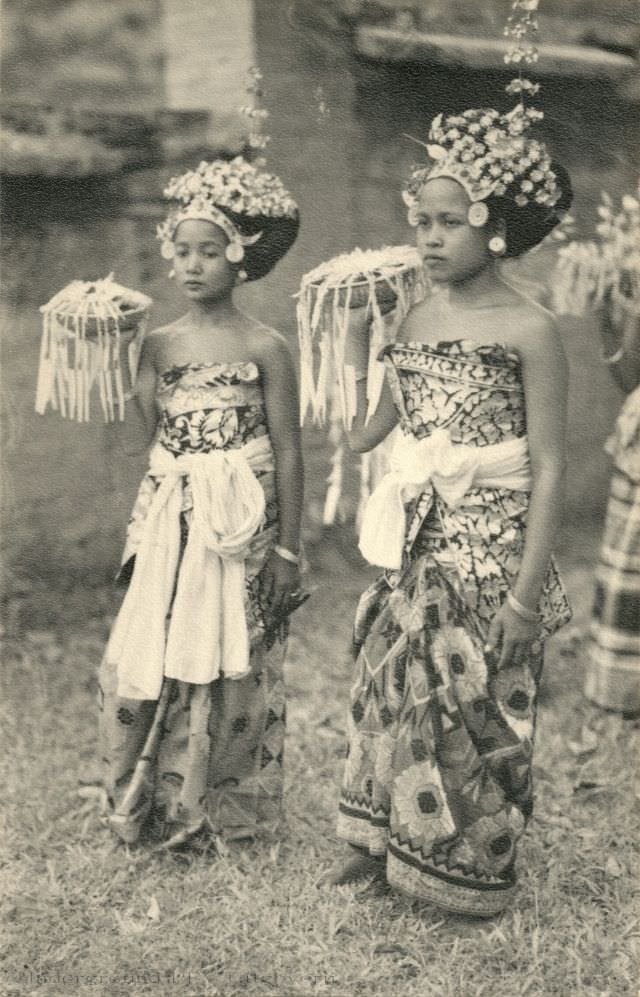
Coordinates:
x,y
613,665
602,277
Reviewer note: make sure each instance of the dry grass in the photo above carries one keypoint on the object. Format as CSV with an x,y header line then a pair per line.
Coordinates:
x,y
88,916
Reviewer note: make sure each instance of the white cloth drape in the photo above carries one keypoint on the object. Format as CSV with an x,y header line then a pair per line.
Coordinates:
x,y
450,468
207,635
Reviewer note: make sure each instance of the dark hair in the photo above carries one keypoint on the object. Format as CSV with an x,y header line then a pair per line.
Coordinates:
x,y
277,236
529,225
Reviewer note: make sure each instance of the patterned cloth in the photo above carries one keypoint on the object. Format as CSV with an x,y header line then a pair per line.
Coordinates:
x,y
202,755
438,771
613,665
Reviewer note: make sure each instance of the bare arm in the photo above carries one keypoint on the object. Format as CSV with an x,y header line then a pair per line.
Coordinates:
x,y
546,383
365,436
281,401
140,414
621,342
545,375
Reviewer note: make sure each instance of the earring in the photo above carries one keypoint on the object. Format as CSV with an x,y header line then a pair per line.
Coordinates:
x,y
171,274
478,214
497,246
241,276
234,252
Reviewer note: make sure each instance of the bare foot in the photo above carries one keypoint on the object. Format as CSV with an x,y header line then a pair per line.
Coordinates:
x,y
357,865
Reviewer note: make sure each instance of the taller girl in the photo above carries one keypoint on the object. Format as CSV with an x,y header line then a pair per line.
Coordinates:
x,y
192,718
449,639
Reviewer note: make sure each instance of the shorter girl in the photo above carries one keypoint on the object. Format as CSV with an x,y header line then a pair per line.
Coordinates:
x,y
192,712
448,640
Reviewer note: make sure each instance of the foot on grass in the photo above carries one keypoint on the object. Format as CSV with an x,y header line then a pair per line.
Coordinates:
x,y
356,866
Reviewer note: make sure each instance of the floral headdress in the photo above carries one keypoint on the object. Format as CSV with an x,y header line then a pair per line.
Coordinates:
x,y
237,186
487,152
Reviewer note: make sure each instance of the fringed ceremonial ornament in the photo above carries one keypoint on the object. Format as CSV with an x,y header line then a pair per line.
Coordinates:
x,y
387,282
371,279
603,272
80,347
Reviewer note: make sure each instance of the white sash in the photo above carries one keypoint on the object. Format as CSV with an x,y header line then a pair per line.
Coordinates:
x,y
450,468
207,634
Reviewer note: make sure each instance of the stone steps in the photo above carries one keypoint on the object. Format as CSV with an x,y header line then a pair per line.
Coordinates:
x,y
390,44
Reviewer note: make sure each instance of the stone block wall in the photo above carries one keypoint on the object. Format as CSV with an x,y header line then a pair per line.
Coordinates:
x,y
83,53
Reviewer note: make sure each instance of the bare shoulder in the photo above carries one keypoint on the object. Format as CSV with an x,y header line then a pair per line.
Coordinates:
x,y
270,349
534,327
156,339
535,332
163,331
415,321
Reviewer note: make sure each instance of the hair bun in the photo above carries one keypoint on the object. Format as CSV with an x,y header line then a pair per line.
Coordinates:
x,y
528,225
277,235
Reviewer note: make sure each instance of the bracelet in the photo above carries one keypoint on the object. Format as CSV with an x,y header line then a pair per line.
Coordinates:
x,y
286,555
614,358
128,396
522,611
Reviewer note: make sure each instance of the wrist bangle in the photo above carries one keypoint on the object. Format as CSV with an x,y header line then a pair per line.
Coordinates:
x,y
286,555
614,358
530,615
130,395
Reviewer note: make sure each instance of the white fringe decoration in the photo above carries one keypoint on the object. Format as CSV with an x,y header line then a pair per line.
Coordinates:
x,y
604,271
80,347
327,296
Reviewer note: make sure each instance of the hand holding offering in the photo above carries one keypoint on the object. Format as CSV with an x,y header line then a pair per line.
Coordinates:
x,y
352,293
87,327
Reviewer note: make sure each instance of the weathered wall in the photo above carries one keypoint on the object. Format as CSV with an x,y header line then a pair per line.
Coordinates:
x,y
83,52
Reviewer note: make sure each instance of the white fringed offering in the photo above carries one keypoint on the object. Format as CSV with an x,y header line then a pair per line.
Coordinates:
x,y
360,279
371,279
585,278
603,272
81,347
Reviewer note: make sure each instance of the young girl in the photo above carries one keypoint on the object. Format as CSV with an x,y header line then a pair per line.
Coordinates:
x,y
192,711
437,787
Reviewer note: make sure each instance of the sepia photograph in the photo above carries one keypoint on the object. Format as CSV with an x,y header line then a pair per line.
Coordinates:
x,y
320,464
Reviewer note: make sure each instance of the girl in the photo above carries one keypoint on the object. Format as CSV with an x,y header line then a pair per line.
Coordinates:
x,y
192,696
448,641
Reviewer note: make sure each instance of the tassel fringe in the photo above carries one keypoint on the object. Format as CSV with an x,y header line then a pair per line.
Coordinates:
x,y
80,348
325,303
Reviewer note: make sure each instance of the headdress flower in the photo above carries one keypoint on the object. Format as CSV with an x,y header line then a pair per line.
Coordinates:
x,y
489,153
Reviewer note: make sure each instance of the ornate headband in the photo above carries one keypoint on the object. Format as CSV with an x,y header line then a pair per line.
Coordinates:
x,y
201,209
237,186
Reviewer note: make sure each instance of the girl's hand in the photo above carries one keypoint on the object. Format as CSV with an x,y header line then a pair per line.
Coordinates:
x,y
511,635
279,581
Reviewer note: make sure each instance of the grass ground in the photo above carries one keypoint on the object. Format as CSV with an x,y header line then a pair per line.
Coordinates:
x,y
86,915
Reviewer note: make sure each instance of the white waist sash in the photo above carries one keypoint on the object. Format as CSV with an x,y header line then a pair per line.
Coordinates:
x,y
207,635
450,468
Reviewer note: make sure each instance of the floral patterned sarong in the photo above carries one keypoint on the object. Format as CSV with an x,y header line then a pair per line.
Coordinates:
x,y
438,771
201,756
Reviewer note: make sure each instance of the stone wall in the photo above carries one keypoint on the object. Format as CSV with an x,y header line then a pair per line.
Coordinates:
x,y
85,53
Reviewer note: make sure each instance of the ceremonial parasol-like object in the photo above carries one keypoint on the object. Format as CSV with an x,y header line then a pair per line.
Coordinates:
x,y
387,282
80,347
